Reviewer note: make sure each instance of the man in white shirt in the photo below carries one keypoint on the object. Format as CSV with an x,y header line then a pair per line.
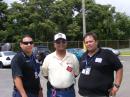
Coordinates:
x,y
60,68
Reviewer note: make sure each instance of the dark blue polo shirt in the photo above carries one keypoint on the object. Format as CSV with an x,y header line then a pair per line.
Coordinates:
x,y
101,77
28,69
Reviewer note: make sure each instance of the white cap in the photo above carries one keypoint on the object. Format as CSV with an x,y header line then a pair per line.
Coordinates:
x,y
59,35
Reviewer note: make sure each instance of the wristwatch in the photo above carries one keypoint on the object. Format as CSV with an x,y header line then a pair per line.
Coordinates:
x,y
116,85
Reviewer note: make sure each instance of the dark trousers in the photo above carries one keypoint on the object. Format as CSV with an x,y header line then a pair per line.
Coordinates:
x,y
17,94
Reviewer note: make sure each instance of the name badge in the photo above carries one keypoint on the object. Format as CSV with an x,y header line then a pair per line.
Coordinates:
x,y
99,60
69,68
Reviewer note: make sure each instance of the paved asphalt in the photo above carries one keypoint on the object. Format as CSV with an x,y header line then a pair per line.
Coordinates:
x,y
6,84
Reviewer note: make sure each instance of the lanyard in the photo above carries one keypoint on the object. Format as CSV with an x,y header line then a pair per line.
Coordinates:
x,y
89,60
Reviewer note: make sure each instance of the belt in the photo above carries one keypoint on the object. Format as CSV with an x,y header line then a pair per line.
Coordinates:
x,y
64,89
61,89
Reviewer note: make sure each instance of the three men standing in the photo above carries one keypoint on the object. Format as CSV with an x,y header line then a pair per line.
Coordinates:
x,y
60,68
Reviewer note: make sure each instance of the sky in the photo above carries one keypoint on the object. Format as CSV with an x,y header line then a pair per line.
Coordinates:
x,y
10,1
121,5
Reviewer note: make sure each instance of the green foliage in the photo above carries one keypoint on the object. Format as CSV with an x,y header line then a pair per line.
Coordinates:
x,y
43,18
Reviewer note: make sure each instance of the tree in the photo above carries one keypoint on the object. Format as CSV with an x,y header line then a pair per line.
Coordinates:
x,y
43,18
122,23
30,19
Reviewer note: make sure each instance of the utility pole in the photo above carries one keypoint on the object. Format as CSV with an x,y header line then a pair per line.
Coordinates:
x,y
84,19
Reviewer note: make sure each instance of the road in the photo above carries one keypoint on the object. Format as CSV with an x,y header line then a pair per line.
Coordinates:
x,y
6,83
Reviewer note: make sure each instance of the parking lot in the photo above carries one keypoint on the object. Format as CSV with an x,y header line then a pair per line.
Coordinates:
x,y
6,83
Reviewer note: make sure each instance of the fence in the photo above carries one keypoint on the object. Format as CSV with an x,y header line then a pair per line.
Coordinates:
x,y
117,44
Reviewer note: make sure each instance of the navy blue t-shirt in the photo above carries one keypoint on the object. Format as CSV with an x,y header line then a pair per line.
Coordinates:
x,y
28,69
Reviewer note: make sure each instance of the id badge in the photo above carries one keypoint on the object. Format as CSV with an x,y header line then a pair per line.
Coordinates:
x,y
86,71
83,71
36,75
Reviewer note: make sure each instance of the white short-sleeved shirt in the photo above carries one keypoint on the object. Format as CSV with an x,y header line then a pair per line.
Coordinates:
x,y
61,73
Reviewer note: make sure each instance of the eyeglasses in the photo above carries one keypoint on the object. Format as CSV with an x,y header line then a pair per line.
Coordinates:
x,y
27,42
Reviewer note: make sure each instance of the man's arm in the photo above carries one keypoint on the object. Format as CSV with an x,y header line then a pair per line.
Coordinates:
x,y
19,85
40,92
44,69
118,80
118,76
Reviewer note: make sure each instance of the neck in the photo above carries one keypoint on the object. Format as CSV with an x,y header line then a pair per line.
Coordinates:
x,y
91,53
28,53
61,54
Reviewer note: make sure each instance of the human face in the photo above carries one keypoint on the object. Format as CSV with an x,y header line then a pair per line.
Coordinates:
x,y
60,44
90,43
27,45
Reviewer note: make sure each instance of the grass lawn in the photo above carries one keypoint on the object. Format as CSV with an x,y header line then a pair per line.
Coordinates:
x,y
125,53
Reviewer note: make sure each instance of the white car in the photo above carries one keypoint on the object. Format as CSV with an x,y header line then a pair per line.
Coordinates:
x,y
6,57
115,51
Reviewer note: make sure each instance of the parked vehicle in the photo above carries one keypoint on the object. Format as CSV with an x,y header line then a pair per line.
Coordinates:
x,y
78,52
6,57
115,51
41,52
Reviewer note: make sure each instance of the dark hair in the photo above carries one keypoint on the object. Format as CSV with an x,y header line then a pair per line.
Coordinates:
x,y
90,34
27,35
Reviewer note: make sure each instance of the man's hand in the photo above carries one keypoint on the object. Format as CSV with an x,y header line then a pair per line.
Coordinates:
x,y
113,91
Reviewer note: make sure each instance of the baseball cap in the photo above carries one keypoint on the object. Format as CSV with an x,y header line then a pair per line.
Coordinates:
x,y
59,35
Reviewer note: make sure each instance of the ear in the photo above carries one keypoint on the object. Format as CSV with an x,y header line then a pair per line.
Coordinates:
x,y
97,42
54,44
20,44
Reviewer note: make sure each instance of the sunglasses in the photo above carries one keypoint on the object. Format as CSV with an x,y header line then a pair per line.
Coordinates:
x,y
60,41
27,42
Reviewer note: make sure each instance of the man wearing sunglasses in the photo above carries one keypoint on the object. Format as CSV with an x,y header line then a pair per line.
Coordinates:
x,y
60,68
25,71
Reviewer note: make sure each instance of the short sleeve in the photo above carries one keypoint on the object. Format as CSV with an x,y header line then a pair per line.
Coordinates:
x,y
114,61
16,66
45,64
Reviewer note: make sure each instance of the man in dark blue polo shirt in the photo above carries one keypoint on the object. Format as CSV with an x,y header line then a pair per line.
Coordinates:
x,y
25,71
97,68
